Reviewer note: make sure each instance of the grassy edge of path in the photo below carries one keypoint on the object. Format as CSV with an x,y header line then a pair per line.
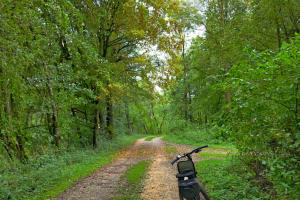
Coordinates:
x,y
51,174
221,173
83,169
134,178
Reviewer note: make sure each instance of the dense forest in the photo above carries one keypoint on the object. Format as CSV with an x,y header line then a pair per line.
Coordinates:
x,y
78,74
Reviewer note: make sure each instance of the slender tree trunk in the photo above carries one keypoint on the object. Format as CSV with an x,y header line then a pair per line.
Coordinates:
x,y
109,118
297,105
162,122
190,102
102,122
278,34
228,99
7,109
199,118
185,92
77,127
7,96
127,113
20,147
54,109
97,124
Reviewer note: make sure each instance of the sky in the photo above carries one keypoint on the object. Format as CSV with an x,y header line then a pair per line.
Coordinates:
x,y
198,31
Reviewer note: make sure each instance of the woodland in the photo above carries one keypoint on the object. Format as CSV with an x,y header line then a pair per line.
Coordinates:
x,y
78,77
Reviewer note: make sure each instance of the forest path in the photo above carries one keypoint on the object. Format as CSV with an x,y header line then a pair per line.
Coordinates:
x,y
160,182
102,184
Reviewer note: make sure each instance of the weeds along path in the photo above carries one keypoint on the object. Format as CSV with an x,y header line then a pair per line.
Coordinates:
x,y
102,184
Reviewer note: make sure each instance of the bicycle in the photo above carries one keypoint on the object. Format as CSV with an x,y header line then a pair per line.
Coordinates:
x,y
188,183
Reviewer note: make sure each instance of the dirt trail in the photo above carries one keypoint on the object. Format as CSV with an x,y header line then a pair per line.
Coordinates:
x,y
101,184
160,182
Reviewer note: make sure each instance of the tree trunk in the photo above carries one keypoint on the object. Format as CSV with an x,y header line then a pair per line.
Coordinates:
x,y
199,118
228,99
162,122
7,109
102,122
109,118
296,105
190,102
278,34
127,113
97,124
185,92
77,132
54,109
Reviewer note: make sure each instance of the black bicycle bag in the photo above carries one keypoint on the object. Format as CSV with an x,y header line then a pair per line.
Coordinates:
x,y
189,188
187,180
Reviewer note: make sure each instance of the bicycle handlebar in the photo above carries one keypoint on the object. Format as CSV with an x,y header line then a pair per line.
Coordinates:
x,y
187,154
174,161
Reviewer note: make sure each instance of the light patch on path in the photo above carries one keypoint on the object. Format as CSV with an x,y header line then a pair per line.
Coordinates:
x,y
161,182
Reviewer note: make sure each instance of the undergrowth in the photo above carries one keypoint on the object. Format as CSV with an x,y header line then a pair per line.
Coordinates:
x,y
50,174
197,137
224,181
222,174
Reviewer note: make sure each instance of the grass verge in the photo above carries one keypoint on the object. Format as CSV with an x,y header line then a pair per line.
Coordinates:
x,y
197,138
150,138
220,172
223,181
134,178
49,175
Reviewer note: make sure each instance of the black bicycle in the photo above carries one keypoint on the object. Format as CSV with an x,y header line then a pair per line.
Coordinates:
x,y
188,183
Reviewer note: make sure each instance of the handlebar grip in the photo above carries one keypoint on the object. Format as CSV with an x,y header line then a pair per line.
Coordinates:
x,y
174,161
199,149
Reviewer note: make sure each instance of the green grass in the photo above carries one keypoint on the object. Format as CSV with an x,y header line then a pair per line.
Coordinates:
x,y
197,138
221,173
134,178
223,181
150,138
208,155
51,174
171,149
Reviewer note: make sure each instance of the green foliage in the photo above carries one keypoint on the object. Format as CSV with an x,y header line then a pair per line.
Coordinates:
x,y
265,118
196,137
223,180
241,79
48,175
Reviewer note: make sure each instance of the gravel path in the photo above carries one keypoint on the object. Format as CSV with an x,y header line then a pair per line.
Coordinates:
x,y
102,184
160,182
